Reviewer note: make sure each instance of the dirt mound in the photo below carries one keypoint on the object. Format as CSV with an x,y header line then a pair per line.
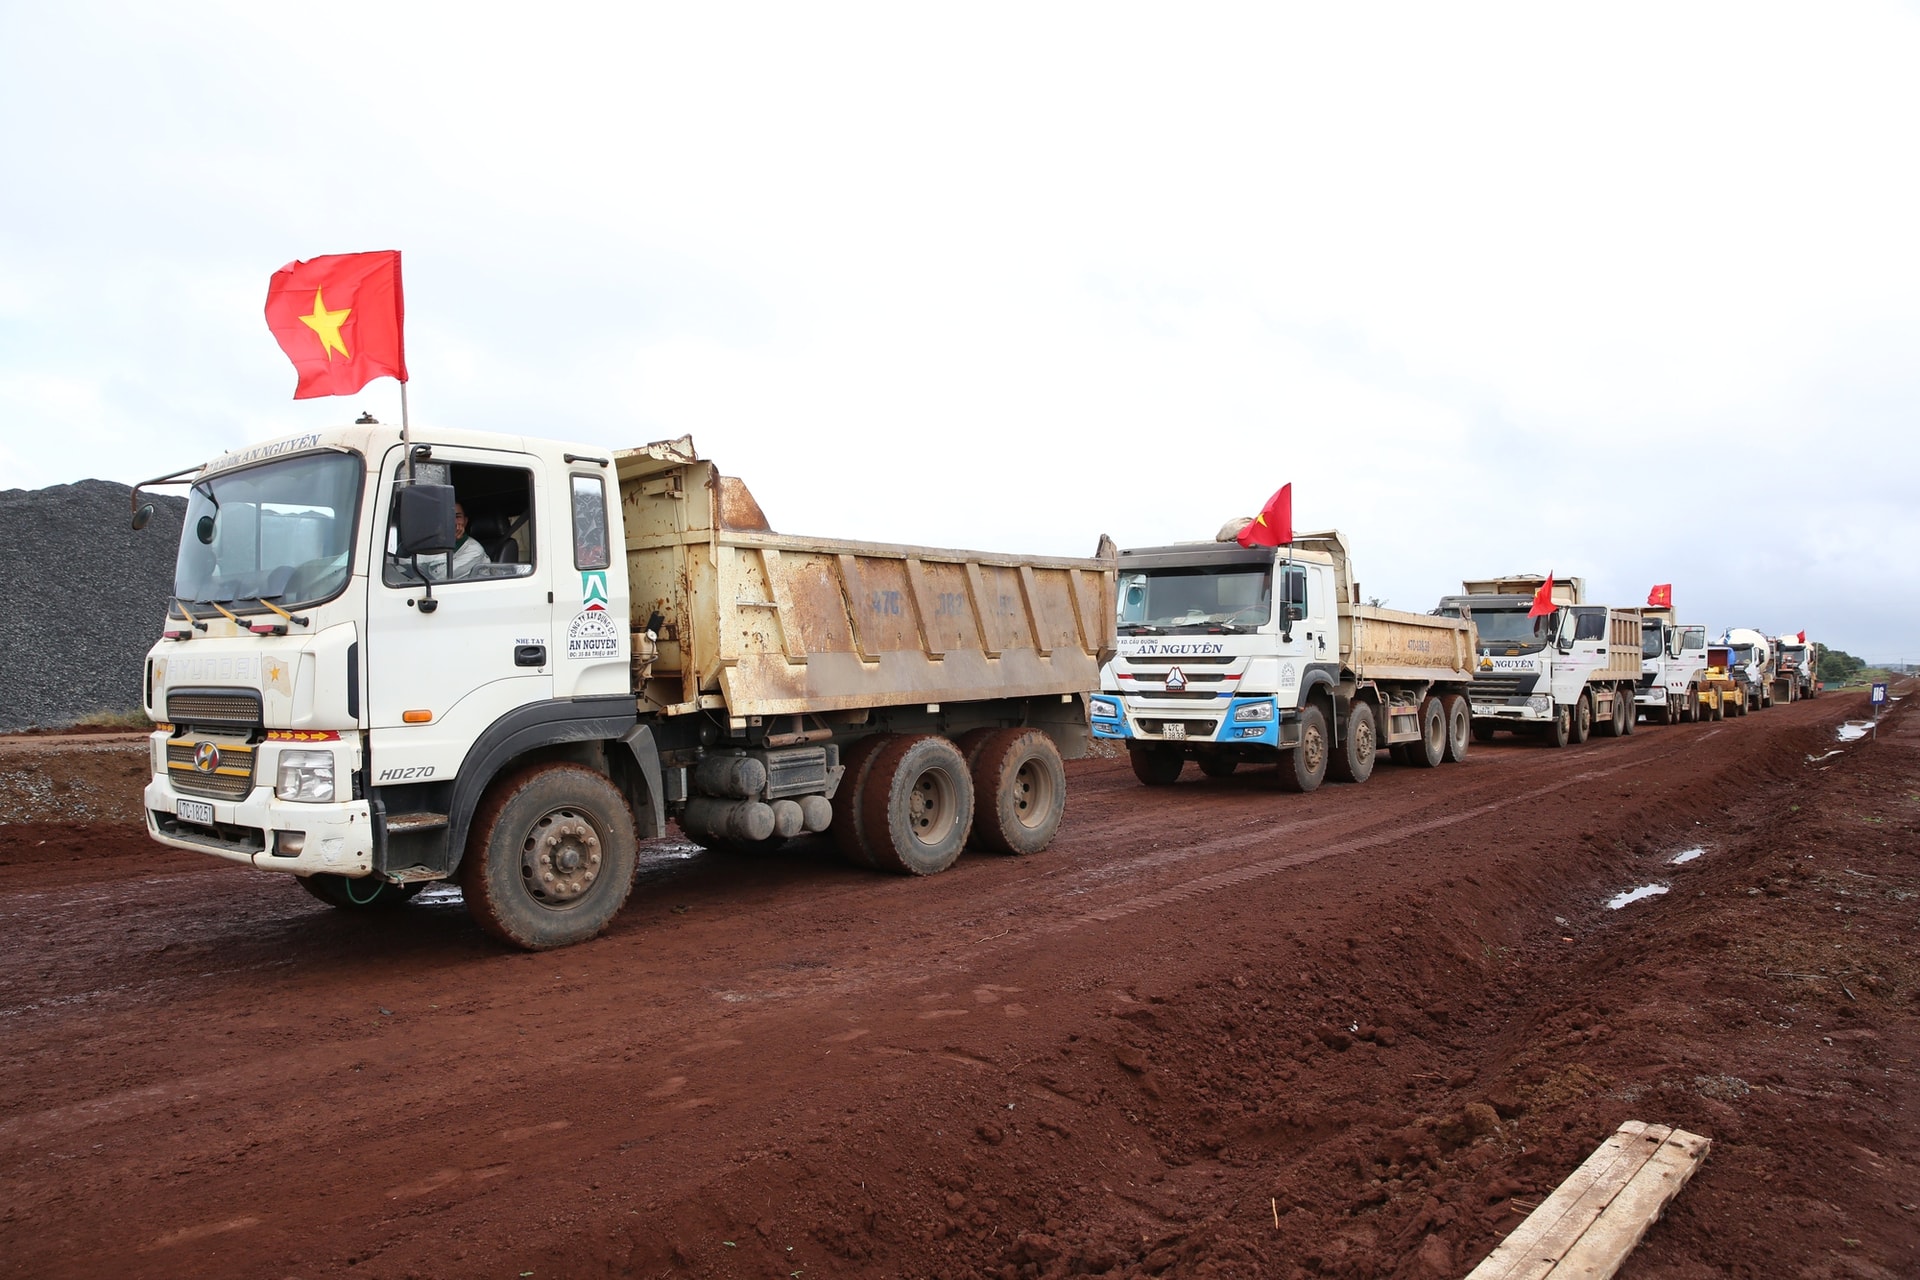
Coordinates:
x,y
85,595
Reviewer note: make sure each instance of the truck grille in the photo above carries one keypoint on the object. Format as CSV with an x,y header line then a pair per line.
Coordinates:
x,y
214,706
1493,688
1195,728
231,778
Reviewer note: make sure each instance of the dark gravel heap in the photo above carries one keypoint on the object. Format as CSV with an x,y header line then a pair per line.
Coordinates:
x,y
82,597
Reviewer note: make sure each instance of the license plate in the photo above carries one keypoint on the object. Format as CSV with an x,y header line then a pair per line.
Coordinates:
x,y
195,811
1174,729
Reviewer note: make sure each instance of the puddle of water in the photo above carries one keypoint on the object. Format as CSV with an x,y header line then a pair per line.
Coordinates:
x,y
1620,900
1854,730
1685,855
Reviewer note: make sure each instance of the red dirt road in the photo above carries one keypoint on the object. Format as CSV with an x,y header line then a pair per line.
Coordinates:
x,y
1214,1030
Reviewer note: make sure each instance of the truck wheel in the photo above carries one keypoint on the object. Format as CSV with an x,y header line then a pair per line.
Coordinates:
x,y
1690,709
1353,759
1483,730
1157,766
1629,713
1019,792
1611,726
1431,749
551,857
1459,714
1217,766
362,894
1304,767
918,810
1560,728
1582,727
849,798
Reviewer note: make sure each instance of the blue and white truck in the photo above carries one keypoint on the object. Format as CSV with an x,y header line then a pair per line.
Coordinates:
x,y
1227,655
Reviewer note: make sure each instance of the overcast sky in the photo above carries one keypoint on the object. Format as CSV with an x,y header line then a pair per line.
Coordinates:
x,y
1624,292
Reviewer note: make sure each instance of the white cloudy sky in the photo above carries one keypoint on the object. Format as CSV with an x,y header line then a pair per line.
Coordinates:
x,y
1624,291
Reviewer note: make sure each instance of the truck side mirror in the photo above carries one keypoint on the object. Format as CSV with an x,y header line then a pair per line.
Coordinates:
x,y
423,519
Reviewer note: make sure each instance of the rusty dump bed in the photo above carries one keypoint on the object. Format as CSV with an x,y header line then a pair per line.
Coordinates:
x,y
760,623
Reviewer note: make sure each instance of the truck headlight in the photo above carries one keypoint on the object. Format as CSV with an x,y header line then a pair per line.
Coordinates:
x,y
306,776
1253,711
1105,709
1541,702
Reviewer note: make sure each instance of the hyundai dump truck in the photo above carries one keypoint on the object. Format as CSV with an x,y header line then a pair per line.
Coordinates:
x,y
1557,674
1795,674
1672,656
1229,655
350,691
1724,690
1753,662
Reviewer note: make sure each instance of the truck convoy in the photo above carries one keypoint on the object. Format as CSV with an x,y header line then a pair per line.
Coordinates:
x,y
1556,674
397,659
1672,656
1796,674
1229,655
1753,662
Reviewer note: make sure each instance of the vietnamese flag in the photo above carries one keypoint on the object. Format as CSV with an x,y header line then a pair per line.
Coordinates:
x,y
1543,600
338,318
1274,524
1661,597
1803,637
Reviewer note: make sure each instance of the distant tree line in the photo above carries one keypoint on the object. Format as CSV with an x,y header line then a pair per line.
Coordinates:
x,y
1837,666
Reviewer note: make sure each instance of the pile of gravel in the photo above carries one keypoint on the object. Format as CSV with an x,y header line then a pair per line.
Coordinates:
x,y
82,598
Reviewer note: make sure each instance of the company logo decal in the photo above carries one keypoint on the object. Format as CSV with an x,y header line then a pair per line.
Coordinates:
x,y
592,636
1287,676
593,588
1486,662
1176,680
206,757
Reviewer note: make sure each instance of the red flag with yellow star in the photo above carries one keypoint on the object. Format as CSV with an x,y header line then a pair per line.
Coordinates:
x,y
339,319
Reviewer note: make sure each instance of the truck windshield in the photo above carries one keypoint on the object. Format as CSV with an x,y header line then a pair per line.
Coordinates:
x,y
1510,628
280,531
1652,644
1232,595
1743,653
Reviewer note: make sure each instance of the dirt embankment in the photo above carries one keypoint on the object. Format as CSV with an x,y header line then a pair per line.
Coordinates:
x,y
1215,1030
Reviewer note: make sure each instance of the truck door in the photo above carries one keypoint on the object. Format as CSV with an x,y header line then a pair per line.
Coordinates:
x,y
438,675
1583,640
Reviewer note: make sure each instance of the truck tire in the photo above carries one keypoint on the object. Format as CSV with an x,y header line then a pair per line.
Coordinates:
x,y
918,810
1304,767
1353,759
1431,749
362,894
1690,709
1156,766
1459,714
1629,713
1019,792
1216,766
1582,727
551,856
1483,730
846,830
1612,727
1560,728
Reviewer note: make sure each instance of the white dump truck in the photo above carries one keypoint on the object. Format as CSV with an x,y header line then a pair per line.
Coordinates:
x,y
1229,655
1559,674
1796,672
1672,656
1753,662
395,660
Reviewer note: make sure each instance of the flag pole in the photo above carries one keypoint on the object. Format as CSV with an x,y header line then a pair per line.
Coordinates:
x,y
406,431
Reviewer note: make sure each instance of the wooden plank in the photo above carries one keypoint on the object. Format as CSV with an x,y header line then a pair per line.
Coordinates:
x,y
1537,1244
1608,1242
1601,1211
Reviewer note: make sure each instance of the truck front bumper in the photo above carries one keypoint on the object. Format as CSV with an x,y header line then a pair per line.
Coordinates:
x,y
1536,708
266,832
1227,722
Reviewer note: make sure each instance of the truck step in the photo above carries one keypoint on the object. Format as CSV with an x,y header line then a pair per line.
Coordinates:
x,y
400,824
